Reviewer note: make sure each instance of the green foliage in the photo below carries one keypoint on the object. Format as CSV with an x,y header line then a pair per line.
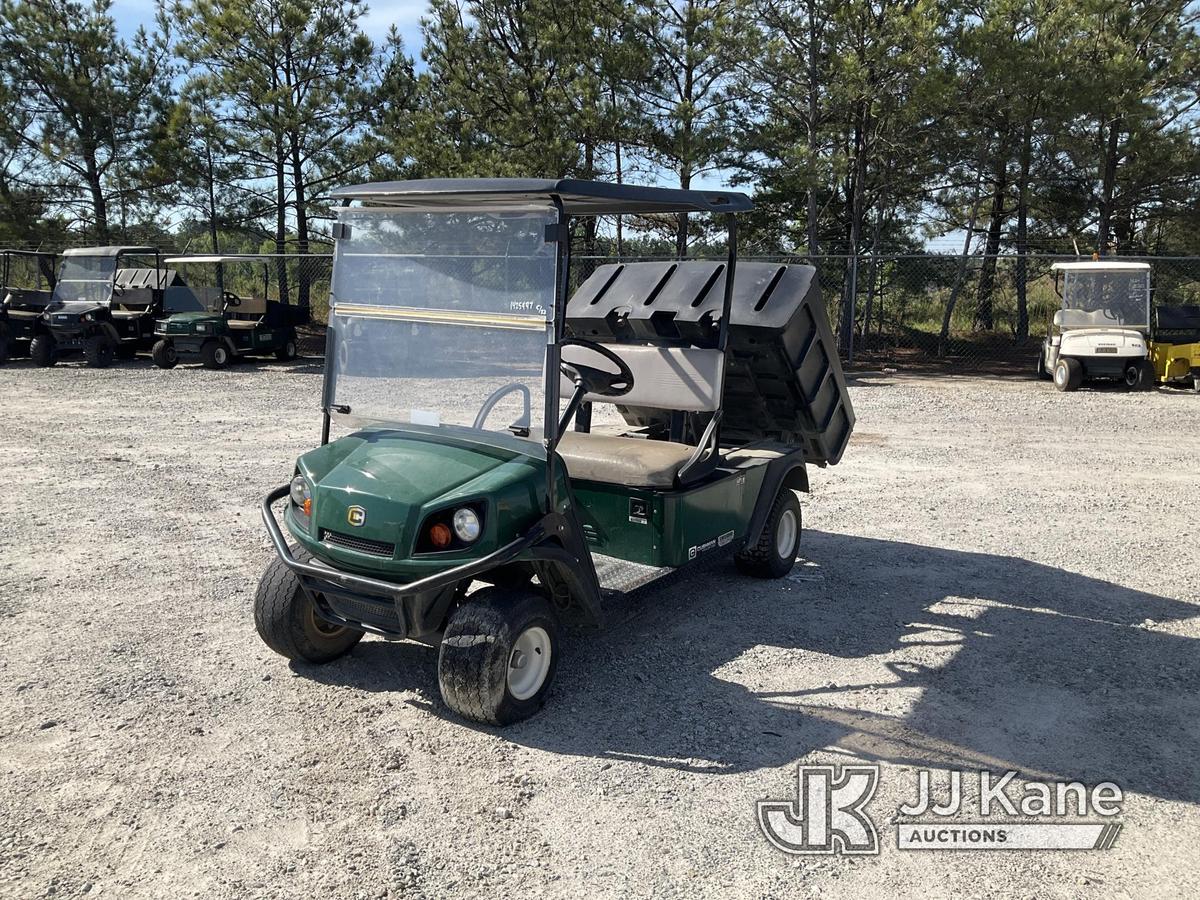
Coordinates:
x,y
91,108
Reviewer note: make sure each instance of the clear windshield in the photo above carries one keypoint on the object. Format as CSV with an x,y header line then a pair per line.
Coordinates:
x,y
442,318
1123,297
86,278
26,272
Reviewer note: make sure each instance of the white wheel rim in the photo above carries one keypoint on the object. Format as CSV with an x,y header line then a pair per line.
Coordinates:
x,y
219,354
528,663
785,535
1060,374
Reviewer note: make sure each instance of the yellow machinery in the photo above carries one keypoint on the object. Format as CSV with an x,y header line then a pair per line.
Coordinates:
x,y
1175,345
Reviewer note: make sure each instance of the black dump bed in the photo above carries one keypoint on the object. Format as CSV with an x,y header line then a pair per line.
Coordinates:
x,y
784,381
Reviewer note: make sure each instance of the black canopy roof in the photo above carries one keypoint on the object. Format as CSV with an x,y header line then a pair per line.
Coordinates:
x,y
579,198
108,251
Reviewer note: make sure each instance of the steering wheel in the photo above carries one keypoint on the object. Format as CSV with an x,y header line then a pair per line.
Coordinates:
x,y
229,298
597,381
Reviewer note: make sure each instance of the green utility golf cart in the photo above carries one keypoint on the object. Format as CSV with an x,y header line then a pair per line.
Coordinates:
x,y
105,302
509,459
230,319
28,281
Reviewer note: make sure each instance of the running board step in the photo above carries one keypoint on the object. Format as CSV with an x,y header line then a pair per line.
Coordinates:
x,y
622,576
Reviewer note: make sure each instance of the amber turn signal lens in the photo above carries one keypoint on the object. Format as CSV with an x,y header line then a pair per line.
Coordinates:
x,y
439,536
308,507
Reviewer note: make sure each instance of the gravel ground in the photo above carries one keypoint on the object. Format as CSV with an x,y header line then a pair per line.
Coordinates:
x,y
996,576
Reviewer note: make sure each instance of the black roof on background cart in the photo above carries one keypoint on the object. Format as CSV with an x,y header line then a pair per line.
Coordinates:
x,y
108,251
579,198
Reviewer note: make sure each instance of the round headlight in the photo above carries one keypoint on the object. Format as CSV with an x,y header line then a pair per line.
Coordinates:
x,y
466,525
300,490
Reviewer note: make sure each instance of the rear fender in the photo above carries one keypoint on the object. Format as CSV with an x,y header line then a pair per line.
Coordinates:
x,y
785,472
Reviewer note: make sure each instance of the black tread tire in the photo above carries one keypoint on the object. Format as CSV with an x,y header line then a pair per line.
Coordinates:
x,y
127,351
763,559
285,620
5,352
1042,372
99,351
1072,376
210,356
287,350
164,354
1146,376
476,647
41,350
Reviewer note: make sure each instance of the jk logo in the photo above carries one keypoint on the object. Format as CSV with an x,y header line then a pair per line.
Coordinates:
x,y
827,814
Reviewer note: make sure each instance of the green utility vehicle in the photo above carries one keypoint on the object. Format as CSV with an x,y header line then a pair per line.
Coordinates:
x,y
220,323
513,460
104,305
28,280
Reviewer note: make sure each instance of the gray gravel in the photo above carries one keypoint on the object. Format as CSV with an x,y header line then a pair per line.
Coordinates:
x,y
996,576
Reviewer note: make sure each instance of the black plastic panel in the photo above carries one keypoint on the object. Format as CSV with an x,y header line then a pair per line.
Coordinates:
x,y
784,380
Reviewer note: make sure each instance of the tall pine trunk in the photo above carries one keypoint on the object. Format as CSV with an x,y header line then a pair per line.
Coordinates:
x,y
300,203
985,317
1108,186
1022,274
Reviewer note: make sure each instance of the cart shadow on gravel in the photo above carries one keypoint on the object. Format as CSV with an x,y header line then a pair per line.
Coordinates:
x,y
977,661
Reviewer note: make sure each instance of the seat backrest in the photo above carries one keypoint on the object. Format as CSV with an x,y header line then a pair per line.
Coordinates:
x,y
1082,318
683,378
250,308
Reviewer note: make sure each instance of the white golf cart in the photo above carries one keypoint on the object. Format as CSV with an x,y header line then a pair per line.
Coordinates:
x,y
1100,331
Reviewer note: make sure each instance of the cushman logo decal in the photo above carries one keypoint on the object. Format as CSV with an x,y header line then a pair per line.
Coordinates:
x,y
356,515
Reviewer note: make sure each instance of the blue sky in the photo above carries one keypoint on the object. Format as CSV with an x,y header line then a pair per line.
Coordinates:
x,y
404,14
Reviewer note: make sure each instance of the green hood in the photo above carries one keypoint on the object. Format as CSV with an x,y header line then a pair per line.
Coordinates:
x,y
398,478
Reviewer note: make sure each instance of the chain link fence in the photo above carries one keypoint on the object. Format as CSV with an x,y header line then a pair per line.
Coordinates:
x,y
915,312
942,312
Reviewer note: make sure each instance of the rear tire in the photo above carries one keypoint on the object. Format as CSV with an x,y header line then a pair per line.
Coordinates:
x,y
4,349
288,622
1140,376
1042,372
99,351
1068,374
214,355
164,354
498,656
775,552
41,350
287,351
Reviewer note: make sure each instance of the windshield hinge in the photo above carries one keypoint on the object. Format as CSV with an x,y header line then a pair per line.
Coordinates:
x,y
341,231
556,232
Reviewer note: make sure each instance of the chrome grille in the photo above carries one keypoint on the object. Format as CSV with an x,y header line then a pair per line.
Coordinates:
x,y
357,544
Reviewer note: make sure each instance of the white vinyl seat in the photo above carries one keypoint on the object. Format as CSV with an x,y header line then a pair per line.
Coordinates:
x,y
668,378
635,462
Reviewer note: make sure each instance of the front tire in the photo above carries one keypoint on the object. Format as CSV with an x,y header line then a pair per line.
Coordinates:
x,y
99,351
41,350
164,354
498,656
288,623
775,552
1068,374
214,355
